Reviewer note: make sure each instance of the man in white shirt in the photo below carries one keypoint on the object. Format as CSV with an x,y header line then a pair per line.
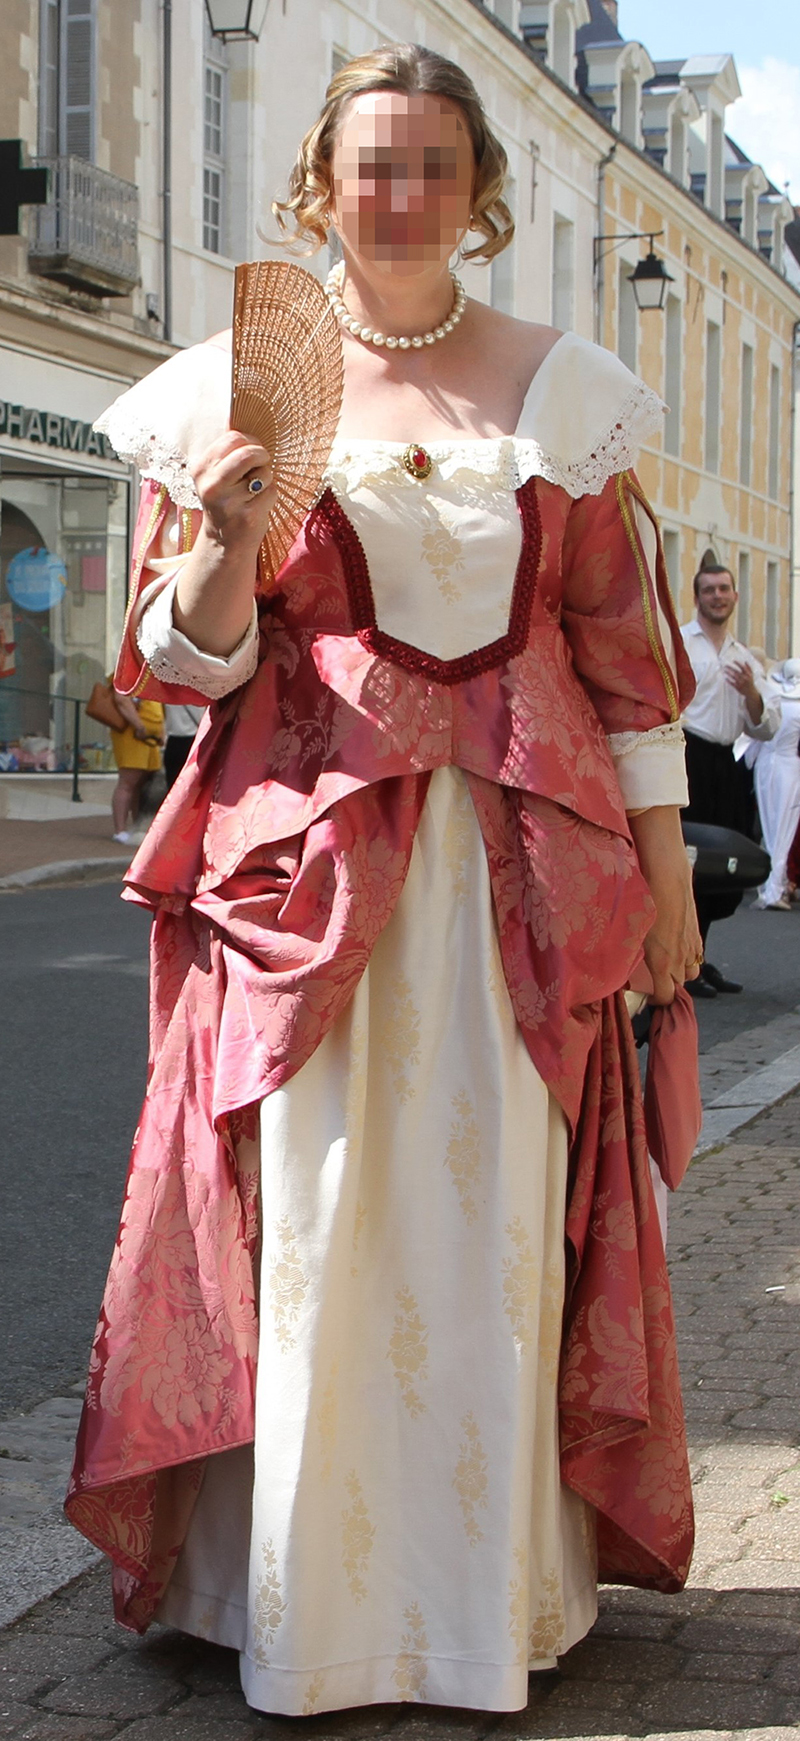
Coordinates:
x,y
731,698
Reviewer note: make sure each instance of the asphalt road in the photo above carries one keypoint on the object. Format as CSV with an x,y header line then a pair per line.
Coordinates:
x,y
762,951
73,1020
73,1053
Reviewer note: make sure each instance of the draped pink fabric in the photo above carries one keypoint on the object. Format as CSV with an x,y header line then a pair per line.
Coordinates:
x,y
272,868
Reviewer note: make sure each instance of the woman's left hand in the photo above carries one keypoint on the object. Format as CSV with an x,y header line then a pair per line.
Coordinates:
x,y
673,949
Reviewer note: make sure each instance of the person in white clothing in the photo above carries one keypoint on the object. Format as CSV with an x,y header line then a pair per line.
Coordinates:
x,y
777,774
731,697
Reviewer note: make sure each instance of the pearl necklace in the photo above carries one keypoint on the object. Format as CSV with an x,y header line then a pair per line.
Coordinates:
x,y
333,290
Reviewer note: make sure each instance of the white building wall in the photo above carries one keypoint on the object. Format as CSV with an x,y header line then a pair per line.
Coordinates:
x,y
275,90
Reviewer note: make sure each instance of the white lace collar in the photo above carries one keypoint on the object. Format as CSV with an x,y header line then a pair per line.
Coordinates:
x,y
584,419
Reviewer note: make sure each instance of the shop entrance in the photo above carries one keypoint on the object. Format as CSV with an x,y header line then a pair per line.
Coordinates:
x,y
63,559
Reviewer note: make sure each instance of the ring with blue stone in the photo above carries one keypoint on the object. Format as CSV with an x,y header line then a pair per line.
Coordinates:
x,y
255,486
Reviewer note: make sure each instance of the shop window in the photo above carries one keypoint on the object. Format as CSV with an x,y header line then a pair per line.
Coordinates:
x,y
63,547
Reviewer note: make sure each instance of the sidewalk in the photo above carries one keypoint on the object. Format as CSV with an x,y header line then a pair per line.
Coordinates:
x,y
721,1662
44,837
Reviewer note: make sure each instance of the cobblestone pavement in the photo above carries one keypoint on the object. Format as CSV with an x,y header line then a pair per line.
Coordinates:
x,y
721,1662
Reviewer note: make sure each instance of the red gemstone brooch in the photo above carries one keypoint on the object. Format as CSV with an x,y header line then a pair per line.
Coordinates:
x,y
417,462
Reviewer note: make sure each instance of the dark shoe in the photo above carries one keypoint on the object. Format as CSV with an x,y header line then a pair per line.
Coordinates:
x,y
713,977
699,988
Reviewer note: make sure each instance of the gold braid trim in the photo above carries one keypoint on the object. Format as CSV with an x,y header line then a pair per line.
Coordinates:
x,y
186,531
136,575
623,482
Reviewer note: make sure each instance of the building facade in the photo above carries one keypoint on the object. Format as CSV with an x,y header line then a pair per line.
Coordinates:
x,y
165,148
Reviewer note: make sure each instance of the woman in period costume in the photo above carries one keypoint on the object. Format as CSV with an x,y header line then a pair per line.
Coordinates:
x,y
777,782
392,1137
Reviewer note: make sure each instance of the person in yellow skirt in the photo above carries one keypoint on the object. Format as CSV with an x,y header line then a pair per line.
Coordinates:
x,y
137,753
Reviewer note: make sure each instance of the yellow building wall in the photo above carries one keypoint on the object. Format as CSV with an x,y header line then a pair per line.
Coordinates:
x,y
717,279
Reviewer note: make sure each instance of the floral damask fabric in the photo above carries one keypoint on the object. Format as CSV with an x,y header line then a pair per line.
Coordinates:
x,y
273,869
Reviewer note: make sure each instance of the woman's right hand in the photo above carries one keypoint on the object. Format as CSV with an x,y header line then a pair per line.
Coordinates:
x,y
233,517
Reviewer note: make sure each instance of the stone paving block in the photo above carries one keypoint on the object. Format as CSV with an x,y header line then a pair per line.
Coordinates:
x,y
27,1664
757,1634
195,1727
427,1723
128,1687
709,1705
12,1714
213,1670
44,1727
633,1625
786,1673
620,1659
719,1666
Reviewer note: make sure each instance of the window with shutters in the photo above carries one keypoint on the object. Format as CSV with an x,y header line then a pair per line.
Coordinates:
x,y
626,317
67,78
214,156
743,589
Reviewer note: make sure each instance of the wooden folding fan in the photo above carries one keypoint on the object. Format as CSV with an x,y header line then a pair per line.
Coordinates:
x,y
287,386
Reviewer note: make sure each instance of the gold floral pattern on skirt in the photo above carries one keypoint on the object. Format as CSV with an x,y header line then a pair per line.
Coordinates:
x,y
464,1154
471,1480
548,1631
411,1671
268,1607
519,1284
358,1535
399,1038
288,1285
408,1350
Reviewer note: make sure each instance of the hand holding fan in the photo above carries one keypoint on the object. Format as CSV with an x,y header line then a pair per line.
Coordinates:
x,y
287,386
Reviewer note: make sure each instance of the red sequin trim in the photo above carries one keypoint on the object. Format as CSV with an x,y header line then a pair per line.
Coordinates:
x,y
448,671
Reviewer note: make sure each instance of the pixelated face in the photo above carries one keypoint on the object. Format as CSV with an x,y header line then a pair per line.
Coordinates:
x,y
716,596
402,180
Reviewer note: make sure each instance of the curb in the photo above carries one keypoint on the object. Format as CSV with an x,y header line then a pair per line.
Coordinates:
x,y
738,1105
65,870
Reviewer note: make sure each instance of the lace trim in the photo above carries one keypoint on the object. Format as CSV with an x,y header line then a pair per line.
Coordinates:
x,y
161,646
495,461
415,659
623,743
640,413
506,461
136,442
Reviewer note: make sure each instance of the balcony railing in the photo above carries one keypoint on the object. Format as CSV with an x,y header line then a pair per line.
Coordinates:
x,y
86,234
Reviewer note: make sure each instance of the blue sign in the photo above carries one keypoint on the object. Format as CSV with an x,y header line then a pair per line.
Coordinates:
x,y
36,579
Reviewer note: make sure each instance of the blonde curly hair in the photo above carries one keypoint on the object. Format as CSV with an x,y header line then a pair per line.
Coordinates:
x,y
304,215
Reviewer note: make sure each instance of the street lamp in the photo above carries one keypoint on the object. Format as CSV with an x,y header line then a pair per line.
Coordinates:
x,y
649,280
237,20
650,277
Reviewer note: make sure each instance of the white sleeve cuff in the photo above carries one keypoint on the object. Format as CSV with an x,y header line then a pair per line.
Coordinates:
x,y
173,658
650,766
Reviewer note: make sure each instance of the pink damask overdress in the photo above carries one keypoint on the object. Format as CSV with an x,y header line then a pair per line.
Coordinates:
x,y
271,870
